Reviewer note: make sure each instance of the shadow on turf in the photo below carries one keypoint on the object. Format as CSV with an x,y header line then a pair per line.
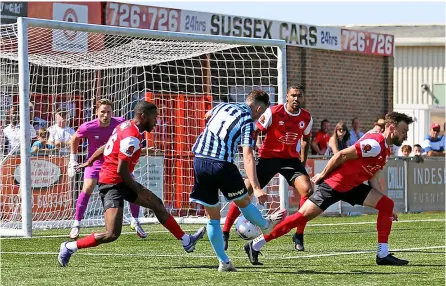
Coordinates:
x,y
354,272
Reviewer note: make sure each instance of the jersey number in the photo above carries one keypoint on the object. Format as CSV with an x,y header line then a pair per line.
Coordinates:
x,y
109,147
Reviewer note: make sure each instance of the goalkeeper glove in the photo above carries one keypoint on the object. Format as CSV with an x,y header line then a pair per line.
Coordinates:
x,y
72,165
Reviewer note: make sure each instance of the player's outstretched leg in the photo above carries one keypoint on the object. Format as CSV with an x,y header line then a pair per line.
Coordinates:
x,y
385,217
134,223
251,213
308,211
82,201
303,185
149,200
233,213
113,226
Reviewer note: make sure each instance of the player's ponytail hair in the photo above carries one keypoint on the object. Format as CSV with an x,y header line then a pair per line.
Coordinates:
x,y
396,117
258,96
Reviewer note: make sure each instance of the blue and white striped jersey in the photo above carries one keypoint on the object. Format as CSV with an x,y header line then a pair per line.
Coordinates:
x,y
230,125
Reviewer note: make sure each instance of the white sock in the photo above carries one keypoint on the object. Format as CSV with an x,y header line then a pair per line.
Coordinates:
x,y
72,245
185,240
134,220
77,223
258,242
383,250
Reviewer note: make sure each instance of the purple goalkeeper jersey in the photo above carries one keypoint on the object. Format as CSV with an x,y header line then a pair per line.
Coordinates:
x,y
97,135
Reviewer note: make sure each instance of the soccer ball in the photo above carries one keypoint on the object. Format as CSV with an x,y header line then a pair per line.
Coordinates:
x,y
245,229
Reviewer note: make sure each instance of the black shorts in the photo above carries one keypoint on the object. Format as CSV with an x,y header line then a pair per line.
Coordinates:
x,y
213,175
324,196
113,195
267,168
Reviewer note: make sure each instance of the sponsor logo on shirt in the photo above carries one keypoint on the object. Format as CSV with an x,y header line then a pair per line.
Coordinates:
x,y
96,137
281,123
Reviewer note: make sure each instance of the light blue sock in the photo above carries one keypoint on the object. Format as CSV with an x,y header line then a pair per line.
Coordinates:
x,y
216,238
252,214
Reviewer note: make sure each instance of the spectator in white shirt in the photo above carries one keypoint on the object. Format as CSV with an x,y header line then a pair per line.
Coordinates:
x,y
355,133
60,133
433,145
12,131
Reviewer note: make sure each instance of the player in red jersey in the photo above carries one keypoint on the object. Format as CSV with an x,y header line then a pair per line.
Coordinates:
x,y
342,179
284,151
116,184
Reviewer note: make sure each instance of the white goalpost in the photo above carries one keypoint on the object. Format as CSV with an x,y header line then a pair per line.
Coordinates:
x,y
48,67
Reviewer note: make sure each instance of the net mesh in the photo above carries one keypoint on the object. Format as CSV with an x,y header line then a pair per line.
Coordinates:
x,y
71,70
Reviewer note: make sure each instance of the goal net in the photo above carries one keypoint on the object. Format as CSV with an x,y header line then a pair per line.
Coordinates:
x,y
71,66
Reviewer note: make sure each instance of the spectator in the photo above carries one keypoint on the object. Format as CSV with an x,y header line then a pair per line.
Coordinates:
x,y
433,145
417,150
41,143
355,133
379,126
36,121
320,142
339,140
12,131
406,150
60,133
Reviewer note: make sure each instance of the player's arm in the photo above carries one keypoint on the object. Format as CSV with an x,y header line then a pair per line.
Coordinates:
x,y
305,142
337,160
124,172
96,155
247,143
73,165
127,148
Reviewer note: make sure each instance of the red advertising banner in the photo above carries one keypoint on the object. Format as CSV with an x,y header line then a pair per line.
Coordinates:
x,y
51,194
367,42
65,41
142,17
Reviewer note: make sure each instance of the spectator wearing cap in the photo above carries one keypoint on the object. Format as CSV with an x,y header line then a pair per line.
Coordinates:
x,y
355,132
60,133
433,145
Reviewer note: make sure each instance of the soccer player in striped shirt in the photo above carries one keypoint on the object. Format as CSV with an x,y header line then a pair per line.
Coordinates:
x,y
229,125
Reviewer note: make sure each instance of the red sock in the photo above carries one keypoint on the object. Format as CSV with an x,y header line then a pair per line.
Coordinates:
x,y
86,242
232,215
384,220
286,225
301,227
172,225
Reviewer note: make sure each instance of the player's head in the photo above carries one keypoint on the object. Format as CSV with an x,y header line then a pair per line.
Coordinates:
x,y
397,125
104,111
258,100
146,114
295,97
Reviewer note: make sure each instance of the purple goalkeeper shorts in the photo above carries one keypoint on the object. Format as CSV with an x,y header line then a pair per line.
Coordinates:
x,y
92,172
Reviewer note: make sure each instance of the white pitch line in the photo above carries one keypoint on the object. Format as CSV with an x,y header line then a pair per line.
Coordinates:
x,y
212,256
189,231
